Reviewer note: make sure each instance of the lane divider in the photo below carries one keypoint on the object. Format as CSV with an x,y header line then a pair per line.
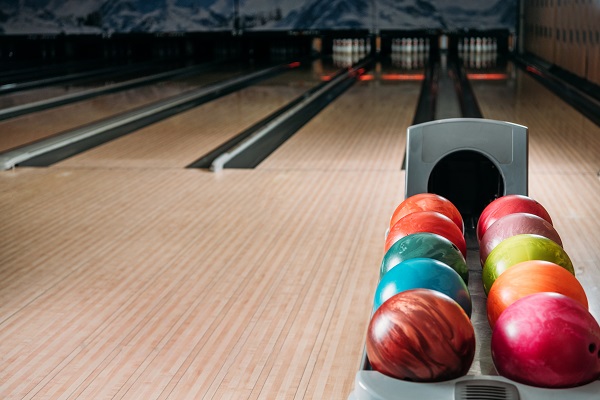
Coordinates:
x,y
56,148
290,121
35,106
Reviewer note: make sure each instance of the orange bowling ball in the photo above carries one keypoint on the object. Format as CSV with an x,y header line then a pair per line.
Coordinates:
x,y
428,202
427,221
531,277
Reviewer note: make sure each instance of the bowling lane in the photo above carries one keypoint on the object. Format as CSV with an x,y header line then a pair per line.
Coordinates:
x,y
183,138
48,92
364,128
561,139
28,128
564,159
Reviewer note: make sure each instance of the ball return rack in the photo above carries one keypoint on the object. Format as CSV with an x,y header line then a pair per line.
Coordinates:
x,y
491,159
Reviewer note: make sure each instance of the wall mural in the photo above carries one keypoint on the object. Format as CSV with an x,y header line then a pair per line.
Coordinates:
x,y
124,16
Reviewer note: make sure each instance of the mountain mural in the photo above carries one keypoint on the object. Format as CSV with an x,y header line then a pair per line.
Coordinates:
x,y
124,16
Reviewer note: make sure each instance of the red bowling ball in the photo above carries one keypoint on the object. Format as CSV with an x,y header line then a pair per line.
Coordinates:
x,y
512,225
427,202
427,221
547,340
421,335
509,204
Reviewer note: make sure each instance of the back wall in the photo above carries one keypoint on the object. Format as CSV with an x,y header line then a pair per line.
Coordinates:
x,y
151,16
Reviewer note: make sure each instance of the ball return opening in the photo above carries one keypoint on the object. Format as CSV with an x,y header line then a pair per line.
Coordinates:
x,y
470,181
471,162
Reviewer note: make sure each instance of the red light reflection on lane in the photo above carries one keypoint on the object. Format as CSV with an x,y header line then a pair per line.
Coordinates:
x,y
487,77
533,70
402,77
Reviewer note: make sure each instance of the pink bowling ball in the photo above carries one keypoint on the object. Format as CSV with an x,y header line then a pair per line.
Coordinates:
x,y
512,225
547,340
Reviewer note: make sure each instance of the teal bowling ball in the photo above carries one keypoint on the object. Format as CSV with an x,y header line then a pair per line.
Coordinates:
x,y
423,273
425,245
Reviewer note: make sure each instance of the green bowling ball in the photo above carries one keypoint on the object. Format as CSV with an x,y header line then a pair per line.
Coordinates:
x,y
425,245
521,248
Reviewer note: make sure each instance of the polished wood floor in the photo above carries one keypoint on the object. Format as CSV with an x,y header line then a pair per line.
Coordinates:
x,y
140,279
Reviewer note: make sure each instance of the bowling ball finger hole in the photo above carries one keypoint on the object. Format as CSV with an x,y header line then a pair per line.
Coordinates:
x,y
592,348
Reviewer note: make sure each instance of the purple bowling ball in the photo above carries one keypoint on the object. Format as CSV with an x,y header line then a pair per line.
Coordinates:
x,y
512,225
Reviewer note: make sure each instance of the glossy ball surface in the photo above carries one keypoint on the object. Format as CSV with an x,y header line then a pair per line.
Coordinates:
x,y
423,273
421,335
528,278
428,202
512,225
521,248
425,245
427,221
547,340
505,205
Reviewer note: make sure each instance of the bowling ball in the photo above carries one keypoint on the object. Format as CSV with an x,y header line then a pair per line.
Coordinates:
x,y
505,205
428,245
512,225
423,273
531,277
521,248
421,335
428,202
547,340
427,221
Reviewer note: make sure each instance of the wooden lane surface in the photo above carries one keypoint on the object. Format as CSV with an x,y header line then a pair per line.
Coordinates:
x,y
564,159
25,129
561,139
364,129
29,96
183,138
47,92
149,284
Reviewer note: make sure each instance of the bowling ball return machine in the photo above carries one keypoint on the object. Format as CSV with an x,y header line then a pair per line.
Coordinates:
x,y
471,162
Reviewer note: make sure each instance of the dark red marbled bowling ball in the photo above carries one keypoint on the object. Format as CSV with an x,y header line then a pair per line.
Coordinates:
x,y
421,335
547,340
509,204
427,221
